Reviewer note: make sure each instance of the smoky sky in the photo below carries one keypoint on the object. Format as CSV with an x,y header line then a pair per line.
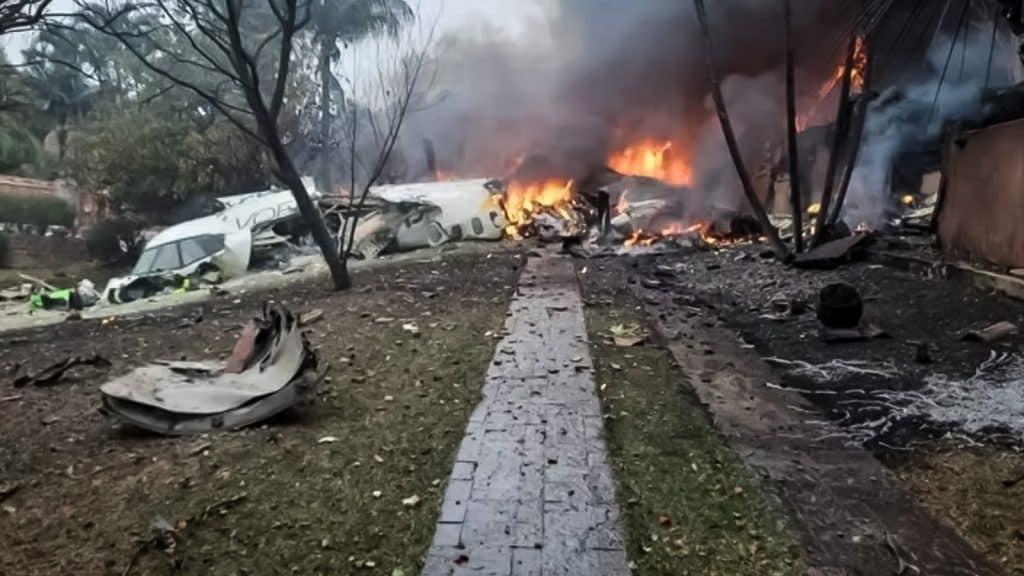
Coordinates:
x,y
593,76
597,74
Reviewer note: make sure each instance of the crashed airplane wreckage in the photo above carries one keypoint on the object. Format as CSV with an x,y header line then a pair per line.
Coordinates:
x,y
252,229
271,369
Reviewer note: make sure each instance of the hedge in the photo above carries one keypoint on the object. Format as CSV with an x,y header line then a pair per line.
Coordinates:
x,y
38,211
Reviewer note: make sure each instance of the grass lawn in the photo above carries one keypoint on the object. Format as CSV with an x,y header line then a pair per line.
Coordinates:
x,y
319,491
689,505
981,492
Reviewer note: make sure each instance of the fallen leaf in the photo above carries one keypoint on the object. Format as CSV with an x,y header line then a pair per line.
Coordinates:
x,y
377,494
327,440
616,366
411,502
629,341
378,459
384,320
628,336
412,329
311,317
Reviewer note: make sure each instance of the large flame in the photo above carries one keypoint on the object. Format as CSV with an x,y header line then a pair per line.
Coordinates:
x,y
860,63
652,159
522,202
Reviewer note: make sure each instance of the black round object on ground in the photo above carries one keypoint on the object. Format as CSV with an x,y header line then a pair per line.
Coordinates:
x,y
840,306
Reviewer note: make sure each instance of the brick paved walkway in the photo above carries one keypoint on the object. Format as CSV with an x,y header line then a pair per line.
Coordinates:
x,y
531,493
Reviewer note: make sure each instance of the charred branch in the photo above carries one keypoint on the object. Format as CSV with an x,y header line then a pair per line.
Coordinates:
x,y
796,201
838,142
860,116
730,136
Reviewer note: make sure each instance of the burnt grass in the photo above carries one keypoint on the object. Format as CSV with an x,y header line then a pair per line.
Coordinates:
x,y
961,480
81,495
915,310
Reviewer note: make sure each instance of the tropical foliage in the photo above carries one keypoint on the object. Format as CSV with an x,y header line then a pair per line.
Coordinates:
x,y
81,106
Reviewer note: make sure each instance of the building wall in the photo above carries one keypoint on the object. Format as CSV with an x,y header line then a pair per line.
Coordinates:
x,y
18,186
982,212
34,252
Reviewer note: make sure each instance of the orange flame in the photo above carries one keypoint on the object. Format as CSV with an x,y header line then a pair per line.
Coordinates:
x,y
522,202
653,160
860,64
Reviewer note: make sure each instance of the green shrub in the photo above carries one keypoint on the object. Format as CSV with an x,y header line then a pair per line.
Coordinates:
x,y
37,211
5,245
114,241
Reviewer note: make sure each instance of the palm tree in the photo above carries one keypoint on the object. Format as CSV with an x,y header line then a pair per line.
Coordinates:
x,y
337,23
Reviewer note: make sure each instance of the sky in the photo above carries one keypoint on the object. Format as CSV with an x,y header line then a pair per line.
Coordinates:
x,y
509,16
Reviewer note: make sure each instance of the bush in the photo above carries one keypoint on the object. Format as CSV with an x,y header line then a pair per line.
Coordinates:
x,y
5,245
37,211
114,241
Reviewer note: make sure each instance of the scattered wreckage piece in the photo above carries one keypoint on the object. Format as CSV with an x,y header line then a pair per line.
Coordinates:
x,y
54,372
861,333
833,254
992,334
16,293
181,398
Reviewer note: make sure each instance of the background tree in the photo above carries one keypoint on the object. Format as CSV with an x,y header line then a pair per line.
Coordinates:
x,y
19,15
224,52
336,24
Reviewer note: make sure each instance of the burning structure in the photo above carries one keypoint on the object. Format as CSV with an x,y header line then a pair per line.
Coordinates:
x,y
612,106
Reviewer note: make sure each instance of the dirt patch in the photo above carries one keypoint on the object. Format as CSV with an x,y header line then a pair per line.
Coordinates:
x,y
689,505
317,491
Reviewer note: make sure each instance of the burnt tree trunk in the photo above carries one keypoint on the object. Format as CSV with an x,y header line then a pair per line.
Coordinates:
x,y
730,137
860,117
838,142
795,181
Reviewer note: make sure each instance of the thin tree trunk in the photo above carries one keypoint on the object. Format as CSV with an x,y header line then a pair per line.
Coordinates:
x,y
289,176
860,117
730,137
795,181
838,139
325,114
311,214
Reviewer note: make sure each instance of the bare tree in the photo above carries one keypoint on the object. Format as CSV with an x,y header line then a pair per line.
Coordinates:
x,y
730,136
236,55
388,92
20,15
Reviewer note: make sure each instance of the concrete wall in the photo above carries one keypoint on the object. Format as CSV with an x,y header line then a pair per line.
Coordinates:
x,y
982,212
34,252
